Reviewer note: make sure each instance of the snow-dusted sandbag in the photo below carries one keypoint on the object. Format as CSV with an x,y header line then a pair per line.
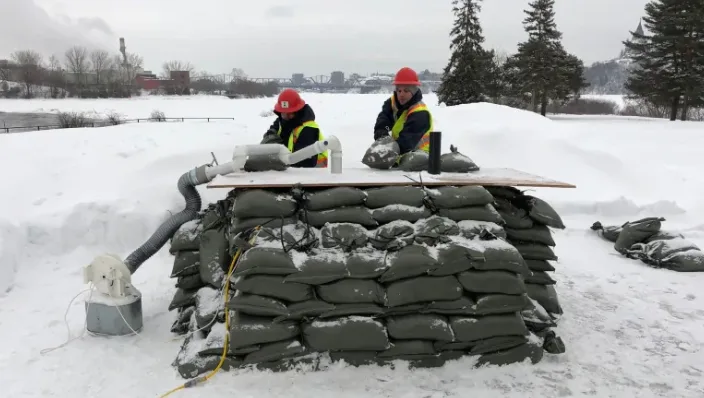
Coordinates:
x,y
264,163
275,287
457,257
451,197
320,267
248,330
540,278
663,235
541,212
471,229
477,213
346,236
484,327
354,309
435,229
401,348
262,203
305,309
501,282
331,198
540,265
636,232
420,327
276,351
423,289
513,216
536,318
350,214
187,237
244,224
609,232
351,291
186,263
387,214
394,195
546,296
531,351
535,251
252,304
677,254
537,234
461,306
414,161
265,261
456,162
190,282
490,304
409,262
183,298
382,154
354,333
296,235
209,303
393,236
366,264
500,256
483,346
190,363
214,258
183,319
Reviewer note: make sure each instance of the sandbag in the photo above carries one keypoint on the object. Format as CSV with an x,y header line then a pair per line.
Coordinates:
x,y
354,333
414,161
500,256
540,278
252,304
182,321
514,216
350,214
346,236
451,197
248,330
409,262
320,267
366,264
454,258
262,203
492,344
264,163
214,258
419,327
476,213
392,213
636,232
276,351
244,224
609,233
359,309
408,347
423,289
190,282
189,364
490,304
536,318
434,230
536,234
394,195
531,351
297,235
214,343
534,251
305,309
541,212
265,261
485,327
351,291
540,265
456,162
186,263
334,197
546,296
393,236
505,192
274,286
187,237
461,306
183,298
501,282
470,228
685,261
382,154
670,254
209,302
663,235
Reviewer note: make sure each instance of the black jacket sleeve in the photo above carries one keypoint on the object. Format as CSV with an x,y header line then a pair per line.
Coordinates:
x,y
416,125
271,135
308,136
384,121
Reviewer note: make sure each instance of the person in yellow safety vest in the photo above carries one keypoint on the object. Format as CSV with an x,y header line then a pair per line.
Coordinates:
x,y
295,127
404,115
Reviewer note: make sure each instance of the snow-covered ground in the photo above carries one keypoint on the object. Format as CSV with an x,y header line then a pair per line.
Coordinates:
x,y
630,330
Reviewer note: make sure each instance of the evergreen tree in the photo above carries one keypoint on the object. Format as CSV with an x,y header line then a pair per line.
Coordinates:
x,y
471,73
541,69
668,61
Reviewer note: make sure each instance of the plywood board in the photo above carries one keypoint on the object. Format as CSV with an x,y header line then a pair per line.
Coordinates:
x,y
359,177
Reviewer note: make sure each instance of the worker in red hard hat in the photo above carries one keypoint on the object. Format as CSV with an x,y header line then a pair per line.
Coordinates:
x,y
404,115
295,127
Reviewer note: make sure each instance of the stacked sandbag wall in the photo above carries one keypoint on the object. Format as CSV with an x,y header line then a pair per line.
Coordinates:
x,y
644,239
370,276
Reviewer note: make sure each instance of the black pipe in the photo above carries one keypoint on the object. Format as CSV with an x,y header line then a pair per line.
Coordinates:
x,y
434,159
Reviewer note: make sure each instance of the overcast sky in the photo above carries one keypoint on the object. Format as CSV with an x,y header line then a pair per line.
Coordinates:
x,y
274,38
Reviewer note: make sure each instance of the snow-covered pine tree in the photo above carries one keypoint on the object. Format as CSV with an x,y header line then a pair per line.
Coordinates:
x,y
541,67
668,59
471,73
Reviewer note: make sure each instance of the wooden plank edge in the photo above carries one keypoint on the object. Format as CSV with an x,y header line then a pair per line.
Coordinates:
x,y
546,184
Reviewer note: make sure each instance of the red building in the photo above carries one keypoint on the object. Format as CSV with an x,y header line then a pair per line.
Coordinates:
x,y
180,80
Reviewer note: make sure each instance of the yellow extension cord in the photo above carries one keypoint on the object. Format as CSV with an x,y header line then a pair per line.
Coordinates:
x,y
203,379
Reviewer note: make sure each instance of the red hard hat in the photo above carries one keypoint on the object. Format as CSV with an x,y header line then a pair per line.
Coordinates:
x,y
406,77
289,101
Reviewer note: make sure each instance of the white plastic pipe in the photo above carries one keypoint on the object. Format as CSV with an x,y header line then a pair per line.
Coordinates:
x,y
221,169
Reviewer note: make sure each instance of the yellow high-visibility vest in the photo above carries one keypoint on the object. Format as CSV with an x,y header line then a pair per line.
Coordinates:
x,y
293,138
424,143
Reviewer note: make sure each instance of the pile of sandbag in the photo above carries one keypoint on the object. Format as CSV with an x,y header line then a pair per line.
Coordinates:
x,y
373,276
385,153
645,240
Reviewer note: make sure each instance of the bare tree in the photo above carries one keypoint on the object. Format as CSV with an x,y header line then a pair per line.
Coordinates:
x,y
237,73
101,64
55,77
177,66
30,67
77,63
5,70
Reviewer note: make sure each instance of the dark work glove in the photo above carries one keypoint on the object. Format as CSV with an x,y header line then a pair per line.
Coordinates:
x,y
380,134
271,138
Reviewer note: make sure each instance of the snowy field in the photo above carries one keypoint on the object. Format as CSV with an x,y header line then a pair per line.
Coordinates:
x,y
630,330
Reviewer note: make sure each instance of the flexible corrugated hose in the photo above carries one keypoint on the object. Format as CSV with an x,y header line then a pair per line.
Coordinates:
x,y
187,186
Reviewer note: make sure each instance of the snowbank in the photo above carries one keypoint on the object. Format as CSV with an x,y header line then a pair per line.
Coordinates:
x,y
72,194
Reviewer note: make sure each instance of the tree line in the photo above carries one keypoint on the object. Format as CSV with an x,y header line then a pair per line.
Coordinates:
x,y
667,69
